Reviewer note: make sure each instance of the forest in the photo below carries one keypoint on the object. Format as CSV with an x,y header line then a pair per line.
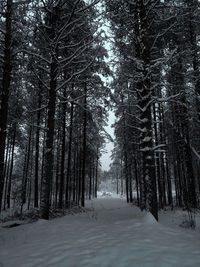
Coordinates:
x,y
56,94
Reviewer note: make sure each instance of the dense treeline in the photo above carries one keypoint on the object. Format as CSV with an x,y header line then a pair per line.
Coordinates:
x,y
157,100
52,103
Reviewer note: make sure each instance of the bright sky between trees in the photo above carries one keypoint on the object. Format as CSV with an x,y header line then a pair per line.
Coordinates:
x,y
105,159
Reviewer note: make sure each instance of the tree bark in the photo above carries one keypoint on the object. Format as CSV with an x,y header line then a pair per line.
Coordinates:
x,y
26,169
146,115
84,147
11,167
62,169
69,153
37,147
4,97
52,20
48,157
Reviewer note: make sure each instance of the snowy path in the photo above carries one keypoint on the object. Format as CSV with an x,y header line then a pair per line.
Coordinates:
x,y
114,234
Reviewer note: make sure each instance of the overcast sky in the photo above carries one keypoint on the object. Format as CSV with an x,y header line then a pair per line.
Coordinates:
x,y
105,159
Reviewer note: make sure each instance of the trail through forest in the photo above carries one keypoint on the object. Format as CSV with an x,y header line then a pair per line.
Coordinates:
x,y
110,233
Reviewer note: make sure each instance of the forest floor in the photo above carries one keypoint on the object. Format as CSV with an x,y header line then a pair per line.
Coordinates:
x,y
110,233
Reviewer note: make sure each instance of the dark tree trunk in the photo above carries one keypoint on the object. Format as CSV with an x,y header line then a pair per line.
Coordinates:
x,y
121,174
169,185
43,157
117,178
69,153
74,174
57,166
48,157
37,148
7,170
90,180
6,160
26,169
137,183
11,167
4,96
30,176
157,159
62,169
130,185
79,168
126,175
96,175
52,21
93,178
146,116
84,147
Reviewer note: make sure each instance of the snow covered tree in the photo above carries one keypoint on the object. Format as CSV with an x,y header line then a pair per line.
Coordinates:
x,y
154,44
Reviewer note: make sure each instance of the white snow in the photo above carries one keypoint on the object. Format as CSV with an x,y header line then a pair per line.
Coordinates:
x,y
110,233
147,139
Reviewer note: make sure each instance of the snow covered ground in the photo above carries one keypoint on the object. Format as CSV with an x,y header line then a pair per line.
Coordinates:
x,y
112,233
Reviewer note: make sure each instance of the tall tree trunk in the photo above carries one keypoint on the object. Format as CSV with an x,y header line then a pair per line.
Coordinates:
x,y
84,147
11,167
62,169
137,182
26,169
157,158
74,174
7,170
37,148
52,21
43,157
126,175
121,174
96,174
79,168
145,100
69,153
4,96
90,180
57,166
30,176
117,178
93,178
48,157
130,185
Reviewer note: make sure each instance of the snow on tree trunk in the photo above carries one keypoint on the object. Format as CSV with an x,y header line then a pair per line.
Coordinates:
x,y
48,158
145,107
53,18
